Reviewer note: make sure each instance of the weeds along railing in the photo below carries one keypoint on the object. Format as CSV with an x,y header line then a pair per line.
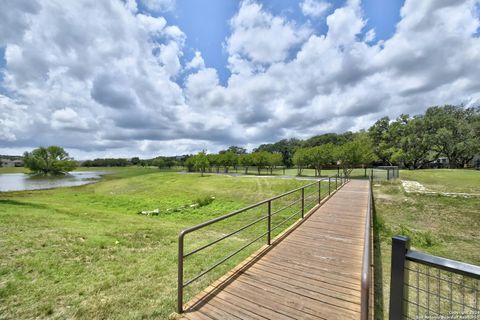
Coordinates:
x,y
367,262
424,286
305,201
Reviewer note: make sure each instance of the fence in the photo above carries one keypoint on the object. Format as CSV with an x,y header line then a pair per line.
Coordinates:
x,y
304,200
430,287
385,173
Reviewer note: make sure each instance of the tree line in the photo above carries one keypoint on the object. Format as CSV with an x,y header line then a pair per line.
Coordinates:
x,y
451,132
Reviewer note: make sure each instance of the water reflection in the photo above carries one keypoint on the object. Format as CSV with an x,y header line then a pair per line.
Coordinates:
x,y
22,181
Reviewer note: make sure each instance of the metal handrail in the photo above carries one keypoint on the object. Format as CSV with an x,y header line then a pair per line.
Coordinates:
x,y
365,289
453,266
183,233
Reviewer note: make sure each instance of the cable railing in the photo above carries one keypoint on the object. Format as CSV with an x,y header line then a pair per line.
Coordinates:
x,y
305,199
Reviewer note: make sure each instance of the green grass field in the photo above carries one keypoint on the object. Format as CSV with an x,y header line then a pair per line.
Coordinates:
x,y
84,252
446,226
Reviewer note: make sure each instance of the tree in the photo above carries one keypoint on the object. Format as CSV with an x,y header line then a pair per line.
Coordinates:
x,y
357,152
260,159
214,161
201,162
413,143
286,147
235,149
301,159
320,156
135,161
228,159
274,159
246,160
383,140
159,162
51,160
452,133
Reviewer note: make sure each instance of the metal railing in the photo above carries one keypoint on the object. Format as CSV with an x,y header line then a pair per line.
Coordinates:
x,y
385,172
334,183
367,257
424,286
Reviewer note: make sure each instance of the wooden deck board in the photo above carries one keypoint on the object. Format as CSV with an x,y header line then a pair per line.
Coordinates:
x,y
313,273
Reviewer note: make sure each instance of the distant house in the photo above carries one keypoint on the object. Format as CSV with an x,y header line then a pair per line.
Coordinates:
x,y
443,162
11,163
476,162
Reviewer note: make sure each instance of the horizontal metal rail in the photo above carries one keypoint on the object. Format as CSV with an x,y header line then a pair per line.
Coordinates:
x,y
225,236
366,263
223,260
339,181
285,220
433,291
286,207
453,266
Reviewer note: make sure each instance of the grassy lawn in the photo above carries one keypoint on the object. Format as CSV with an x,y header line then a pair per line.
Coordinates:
x,y
84,252
441,225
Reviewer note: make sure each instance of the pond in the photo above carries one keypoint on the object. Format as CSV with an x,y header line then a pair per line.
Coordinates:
x,y
22,181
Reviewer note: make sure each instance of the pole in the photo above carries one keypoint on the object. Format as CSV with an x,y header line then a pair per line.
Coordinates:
x,y
399,278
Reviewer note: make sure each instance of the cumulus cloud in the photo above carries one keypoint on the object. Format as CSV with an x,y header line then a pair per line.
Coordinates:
x,y
159,5
255,35
114,84
315,8
197,61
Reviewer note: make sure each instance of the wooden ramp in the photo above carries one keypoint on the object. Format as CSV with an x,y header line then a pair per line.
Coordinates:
x,y
313,273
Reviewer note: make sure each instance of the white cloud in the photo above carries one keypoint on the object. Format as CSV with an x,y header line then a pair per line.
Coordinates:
x,y
197,61
159,5
106,85
315,8
255,35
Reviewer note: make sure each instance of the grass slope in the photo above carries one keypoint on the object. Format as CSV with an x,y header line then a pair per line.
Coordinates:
x,y
83,252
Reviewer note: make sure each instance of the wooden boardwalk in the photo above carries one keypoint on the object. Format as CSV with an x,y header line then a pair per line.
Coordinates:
x,y
313,273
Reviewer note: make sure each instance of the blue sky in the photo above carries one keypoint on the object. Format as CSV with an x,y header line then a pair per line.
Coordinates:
x,y
206,23
164,77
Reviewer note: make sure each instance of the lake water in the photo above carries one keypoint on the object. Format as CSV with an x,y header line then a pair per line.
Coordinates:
x,y
22,181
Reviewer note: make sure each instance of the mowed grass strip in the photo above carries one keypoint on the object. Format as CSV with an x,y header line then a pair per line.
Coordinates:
x,y
447,226
84,252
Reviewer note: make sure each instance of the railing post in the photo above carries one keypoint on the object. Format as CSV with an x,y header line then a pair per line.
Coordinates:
x,y
180,274
329,186
399,278
269,219
303,202
388,174
319,191
336,183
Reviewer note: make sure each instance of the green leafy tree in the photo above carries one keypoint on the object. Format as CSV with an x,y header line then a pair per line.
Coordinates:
x,y
228,159
413,145
286,147
260,159
215,161
52,160
301,159
452,133
321,156
201,162
135,161
246,160
159,162
274,159
354,153
384,141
